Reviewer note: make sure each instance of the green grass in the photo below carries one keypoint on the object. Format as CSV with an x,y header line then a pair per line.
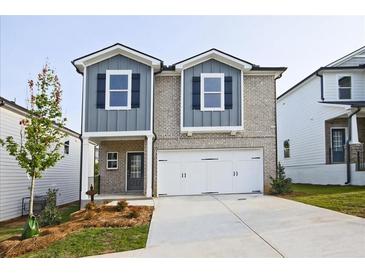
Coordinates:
x,y
95,241
15,227
345,199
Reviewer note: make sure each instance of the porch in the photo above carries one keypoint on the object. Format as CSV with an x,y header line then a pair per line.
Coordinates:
x,y
338,132
123,168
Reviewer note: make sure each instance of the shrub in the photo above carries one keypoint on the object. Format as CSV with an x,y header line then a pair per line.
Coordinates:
x,y
133,213
90,206
121,205
50,214
282,184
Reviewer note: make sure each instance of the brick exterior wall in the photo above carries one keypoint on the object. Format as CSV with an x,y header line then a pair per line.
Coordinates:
x,y
259,123
113,181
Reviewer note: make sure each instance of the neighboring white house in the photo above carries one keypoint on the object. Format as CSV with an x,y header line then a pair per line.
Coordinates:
x,y
321,124
14,183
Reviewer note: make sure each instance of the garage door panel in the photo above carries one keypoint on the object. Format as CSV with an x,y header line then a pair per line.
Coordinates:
x,y
219,176
196,171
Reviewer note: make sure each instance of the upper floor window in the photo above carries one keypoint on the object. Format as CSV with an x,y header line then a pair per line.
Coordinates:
x,y
118,89
212,91
344,87
286,149
66,147
112,160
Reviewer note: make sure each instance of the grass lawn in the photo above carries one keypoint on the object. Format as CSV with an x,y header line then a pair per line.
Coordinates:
x,y
95,241
345,199
13,228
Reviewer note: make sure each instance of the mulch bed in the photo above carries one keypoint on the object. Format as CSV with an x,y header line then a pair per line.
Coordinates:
x,y
94,216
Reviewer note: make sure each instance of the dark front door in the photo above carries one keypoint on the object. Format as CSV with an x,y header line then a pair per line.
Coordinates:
x,y
135,172
338,145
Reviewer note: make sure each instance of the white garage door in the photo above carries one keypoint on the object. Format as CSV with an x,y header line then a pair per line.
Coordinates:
x,y
186,172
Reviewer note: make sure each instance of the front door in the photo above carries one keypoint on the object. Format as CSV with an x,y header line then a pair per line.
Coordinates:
x,y
338,145
135,172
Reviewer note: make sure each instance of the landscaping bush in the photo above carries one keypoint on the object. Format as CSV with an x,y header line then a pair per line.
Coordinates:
x,y
121,205
133,213
50,214
90,206
282,184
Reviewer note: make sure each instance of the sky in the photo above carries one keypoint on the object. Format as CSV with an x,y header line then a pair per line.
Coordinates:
x,y
301,43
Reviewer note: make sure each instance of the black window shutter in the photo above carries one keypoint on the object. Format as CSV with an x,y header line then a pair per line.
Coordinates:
x,y
228,92
135,90
196,92
100,91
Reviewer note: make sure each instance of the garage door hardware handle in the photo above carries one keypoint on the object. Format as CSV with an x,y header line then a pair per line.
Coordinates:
x,y
255,157
183,175
162,160
235,173
209,159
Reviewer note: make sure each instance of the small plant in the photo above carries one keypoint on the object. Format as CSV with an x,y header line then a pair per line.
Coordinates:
x,y
133,213
121,205
282,184
90,206
50,214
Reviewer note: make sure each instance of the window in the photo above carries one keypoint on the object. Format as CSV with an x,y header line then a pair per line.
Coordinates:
x,y
118,89
136,166
286,149
212,91
112,160
66,147
344,87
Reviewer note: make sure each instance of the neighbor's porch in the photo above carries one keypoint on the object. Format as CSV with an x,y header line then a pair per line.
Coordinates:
x,y
123,168
337,133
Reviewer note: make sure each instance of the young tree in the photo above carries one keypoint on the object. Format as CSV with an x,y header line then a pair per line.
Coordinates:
x,y
281,184
41,136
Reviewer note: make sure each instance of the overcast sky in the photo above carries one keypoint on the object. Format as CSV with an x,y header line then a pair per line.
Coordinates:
x,y
300,43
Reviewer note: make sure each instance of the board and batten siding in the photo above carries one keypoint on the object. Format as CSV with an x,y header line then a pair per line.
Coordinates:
x,y
197,118
301,119
330,80
97,119
14,184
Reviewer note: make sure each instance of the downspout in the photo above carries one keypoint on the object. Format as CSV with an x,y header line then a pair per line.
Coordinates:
x,y
348,158
153,116
321,76
80,136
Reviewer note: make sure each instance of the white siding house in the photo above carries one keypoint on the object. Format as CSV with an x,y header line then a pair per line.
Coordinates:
x,y
321,124
14,183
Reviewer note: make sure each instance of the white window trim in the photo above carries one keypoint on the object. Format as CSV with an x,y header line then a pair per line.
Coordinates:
x,y
107,161
202,92
338,86
107,90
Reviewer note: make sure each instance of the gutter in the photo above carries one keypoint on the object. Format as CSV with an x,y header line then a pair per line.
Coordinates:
x,y
80,137
348,158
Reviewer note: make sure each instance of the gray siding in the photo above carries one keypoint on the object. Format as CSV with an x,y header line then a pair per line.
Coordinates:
x,y
197,118
118,120
354,61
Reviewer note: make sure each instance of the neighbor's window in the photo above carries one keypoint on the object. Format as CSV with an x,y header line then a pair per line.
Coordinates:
x,y
112,160
344,87
118,89
286,149
66,147
212,91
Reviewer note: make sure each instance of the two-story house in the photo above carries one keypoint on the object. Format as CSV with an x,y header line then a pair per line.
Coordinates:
x,y
321,124
205,124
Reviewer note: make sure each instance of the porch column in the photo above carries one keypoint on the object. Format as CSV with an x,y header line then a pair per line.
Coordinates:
x,y
85,168
149,167
354,130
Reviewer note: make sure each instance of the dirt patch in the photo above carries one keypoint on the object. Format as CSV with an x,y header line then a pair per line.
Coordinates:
x,y
93,216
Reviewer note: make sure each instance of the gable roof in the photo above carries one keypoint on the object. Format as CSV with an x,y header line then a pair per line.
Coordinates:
x,y
23,111
116,49
332,66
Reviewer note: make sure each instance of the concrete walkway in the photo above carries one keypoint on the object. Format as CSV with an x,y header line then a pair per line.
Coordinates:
x,y
248,226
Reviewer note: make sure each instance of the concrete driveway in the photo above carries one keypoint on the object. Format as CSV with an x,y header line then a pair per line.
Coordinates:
x,y
248,226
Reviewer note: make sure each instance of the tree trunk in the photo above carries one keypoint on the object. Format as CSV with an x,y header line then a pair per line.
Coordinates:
x,y
31,196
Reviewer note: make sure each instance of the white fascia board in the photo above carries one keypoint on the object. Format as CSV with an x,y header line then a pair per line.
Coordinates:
x,y
117,50
117,133
213,54
211,129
